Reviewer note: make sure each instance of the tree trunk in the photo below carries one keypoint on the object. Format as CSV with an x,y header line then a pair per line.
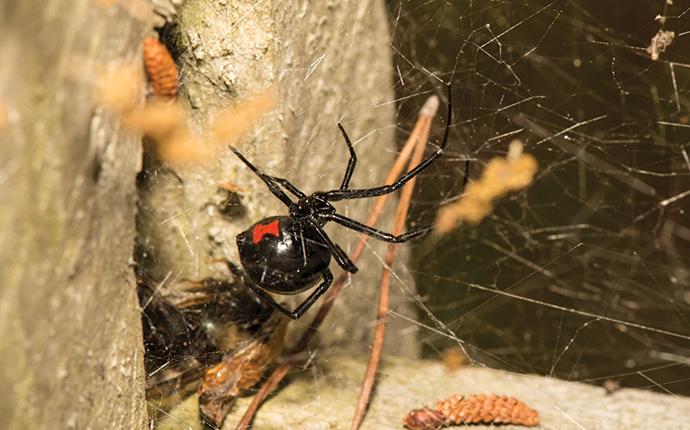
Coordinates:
x,y
70,329
326,62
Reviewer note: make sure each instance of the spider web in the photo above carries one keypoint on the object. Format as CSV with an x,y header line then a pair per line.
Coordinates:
x,y
584,275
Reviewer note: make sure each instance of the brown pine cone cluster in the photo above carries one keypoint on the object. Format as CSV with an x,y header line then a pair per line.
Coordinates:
x,y
160,68
472,409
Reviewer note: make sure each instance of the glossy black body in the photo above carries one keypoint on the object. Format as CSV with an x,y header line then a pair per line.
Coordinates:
x,y
289,263
289,254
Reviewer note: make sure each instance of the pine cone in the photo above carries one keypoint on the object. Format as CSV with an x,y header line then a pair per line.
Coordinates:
x,y
487,409
472,409
160,68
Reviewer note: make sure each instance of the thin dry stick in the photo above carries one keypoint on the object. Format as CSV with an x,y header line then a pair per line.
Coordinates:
x,y
425,117
382,313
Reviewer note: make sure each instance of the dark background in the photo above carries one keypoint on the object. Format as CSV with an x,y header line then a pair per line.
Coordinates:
x,y
584,275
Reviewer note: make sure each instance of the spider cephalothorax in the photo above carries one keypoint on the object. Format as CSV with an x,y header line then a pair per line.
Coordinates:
x,y
289,254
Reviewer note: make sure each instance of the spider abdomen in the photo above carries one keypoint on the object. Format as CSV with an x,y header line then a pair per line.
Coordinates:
x,y
282,255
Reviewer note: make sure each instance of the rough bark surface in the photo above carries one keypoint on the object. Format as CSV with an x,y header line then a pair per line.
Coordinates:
x,y
326,398
327,61
70,330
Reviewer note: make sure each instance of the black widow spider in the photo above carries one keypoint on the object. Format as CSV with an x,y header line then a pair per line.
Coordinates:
x,y
288,254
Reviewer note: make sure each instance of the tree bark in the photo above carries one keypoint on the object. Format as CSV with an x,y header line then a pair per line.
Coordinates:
x,y
327,62
70,329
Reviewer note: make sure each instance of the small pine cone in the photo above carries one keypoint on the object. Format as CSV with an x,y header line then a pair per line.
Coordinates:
x,y
424,419
160,68
487,409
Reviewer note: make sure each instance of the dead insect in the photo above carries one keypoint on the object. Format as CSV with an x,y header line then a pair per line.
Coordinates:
x,y
241,370
213,336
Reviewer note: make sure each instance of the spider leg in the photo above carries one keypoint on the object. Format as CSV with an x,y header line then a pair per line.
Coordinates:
x,y
261,294
322,288
345,194
382,235
272,186
304,306
350,164
337,252
288,186
378,234
267,299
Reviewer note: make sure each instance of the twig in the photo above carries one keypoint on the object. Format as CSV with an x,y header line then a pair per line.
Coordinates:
x,y
382,312
426,115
